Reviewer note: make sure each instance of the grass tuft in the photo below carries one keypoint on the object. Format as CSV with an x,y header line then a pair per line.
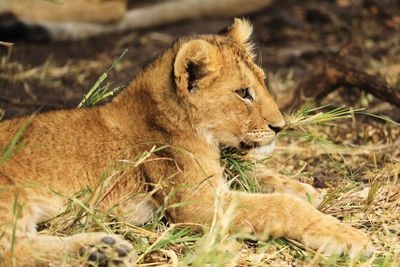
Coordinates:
x,y
101,91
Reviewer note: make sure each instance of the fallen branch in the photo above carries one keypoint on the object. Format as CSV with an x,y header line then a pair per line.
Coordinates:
x,y
334,75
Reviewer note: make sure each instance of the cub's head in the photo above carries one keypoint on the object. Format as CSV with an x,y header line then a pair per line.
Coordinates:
x,y
224,90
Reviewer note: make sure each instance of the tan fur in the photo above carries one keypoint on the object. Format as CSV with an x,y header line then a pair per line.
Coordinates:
x,y
101,11
272,182
68,150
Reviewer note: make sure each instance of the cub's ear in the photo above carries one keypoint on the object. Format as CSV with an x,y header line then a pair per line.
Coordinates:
x,y
241,31
192,62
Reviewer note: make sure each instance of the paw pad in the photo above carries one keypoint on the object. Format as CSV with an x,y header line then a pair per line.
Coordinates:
x,y
108,252
123,251
108,240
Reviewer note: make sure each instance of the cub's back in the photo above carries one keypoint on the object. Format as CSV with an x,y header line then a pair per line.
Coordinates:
x,y
72,144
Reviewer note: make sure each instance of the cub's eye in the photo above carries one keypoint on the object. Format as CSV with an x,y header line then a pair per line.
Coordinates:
x,y
244,93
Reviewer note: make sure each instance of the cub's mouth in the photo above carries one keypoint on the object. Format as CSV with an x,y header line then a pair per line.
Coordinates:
x,y
257,149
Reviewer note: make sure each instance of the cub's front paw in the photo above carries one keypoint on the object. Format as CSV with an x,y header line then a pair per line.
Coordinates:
x,y
334,238
308,193
288,186
104,250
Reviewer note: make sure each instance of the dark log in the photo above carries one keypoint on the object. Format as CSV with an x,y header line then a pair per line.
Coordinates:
x,y
334,75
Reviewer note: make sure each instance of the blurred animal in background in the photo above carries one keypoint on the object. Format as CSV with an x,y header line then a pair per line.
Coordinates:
x,y
63,20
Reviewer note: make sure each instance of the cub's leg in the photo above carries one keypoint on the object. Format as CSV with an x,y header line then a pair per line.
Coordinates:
x,y
271,182
21,209
277,215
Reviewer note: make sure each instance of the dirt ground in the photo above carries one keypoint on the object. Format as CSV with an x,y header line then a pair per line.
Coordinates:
x,y
294,38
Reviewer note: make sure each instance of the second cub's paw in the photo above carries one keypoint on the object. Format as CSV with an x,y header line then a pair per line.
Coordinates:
x,y
334,238
104,250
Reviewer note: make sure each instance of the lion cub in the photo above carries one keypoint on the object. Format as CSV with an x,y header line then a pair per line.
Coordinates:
x,y
203,92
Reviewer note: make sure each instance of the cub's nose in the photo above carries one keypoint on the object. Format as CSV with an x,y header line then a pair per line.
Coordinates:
x,y
275,128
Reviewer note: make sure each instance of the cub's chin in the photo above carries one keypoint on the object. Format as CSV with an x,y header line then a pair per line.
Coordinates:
x,y
261,152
